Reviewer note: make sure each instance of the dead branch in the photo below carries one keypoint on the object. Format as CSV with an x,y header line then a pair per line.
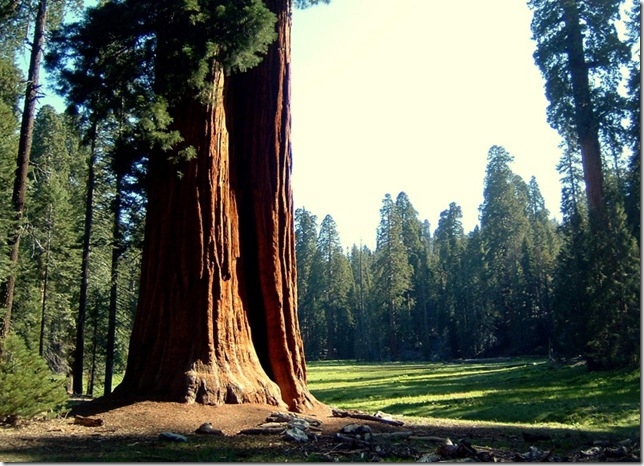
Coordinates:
x,y
366,417
88,421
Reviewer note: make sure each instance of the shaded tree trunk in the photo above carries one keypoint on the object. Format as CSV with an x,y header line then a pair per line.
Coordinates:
x,y
258,103
93,368
585,120
79,350
216,319
24,153
117,249
45,289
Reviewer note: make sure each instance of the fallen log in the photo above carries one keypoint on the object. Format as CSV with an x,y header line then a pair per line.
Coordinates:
x,y
428,438
88,421
288,417
365,417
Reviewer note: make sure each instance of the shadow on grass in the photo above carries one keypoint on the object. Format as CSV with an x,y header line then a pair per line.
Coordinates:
x,y
144,449
519,393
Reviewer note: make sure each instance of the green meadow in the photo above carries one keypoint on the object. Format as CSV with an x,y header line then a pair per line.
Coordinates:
x,y
525,391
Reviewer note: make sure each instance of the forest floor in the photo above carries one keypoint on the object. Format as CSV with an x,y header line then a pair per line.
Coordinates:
x,y
132,433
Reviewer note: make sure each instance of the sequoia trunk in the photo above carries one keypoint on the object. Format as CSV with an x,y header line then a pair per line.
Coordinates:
x,y
191,339
259,117
216,320
585,120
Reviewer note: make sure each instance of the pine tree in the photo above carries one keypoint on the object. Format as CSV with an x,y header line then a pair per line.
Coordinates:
x,y
312,322
334,284
613,327
597,305
570,300
415,327
16,17
52,219
504,225
392,280
450,320
361,259
541,247
480,320
28,387
9,95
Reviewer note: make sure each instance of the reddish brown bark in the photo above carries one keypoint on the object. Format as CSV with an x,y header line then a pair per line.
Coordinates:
x,y
191,339
585,120
216,320
258,104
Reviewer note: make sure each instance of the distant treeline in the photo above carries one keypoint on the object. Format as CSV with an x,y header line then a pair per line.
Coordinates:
x,y
518,284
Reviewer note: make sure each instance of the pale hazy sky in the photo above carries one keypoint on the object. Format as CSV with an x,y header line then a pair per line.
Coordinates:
x,y
409,95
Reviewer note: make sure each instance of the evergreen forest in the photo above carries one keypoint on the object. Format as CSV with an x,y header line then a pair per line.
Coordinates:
x,y
73,197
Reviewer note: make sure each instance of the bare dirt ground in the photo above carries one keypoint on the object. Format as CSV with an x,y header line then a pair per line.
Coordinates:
x,y
130,432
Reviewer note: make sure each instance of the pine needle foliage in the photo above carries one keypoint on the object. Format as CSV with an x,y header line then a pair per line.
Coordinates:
x,y
145,58
28,387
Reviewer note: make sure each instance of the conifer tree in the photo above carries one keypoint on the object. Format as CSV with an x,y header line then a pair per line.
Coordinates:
x,y
570,301
19,15
52,219
361,259
541,247
333,282
580,55
416,326
392,280
206,87
450,320
613,293
633,190
9,94
312,322
28,386
504,225
479,323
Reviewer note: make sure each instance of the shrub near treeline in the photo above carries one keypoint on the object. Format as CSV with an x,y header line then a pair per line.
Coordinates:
x,y
27,386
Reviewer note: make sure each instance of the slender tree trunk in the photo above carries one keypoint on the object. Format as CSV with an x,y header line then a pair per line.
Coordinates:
x,y
79,351
45,288
24,153
117,249
216,319
92,372
587,126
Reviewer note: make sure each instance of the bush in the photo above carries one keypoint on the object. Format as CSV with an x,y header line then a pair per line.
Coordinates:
x,y
28,386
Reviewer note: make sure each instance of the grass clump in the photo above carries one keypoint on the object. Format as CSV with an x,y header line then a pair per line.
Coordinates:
x,y
27,385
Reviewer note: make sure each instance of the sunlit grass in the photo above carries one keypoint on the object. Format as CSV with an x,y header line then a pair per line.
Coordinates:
x,y
520,391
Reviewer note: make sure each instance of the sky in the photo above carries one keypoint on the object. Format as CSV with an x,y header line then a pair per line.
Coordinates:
x,y
409,95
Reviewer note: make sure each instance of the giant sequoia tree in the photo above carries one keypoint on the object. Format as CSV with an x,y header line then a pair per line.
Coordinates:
x,y
216,319
580,54
583,61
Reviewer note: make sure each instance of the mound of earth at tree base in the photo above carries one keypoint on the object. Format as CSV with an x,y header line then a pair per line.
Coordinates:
x,y
131,432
